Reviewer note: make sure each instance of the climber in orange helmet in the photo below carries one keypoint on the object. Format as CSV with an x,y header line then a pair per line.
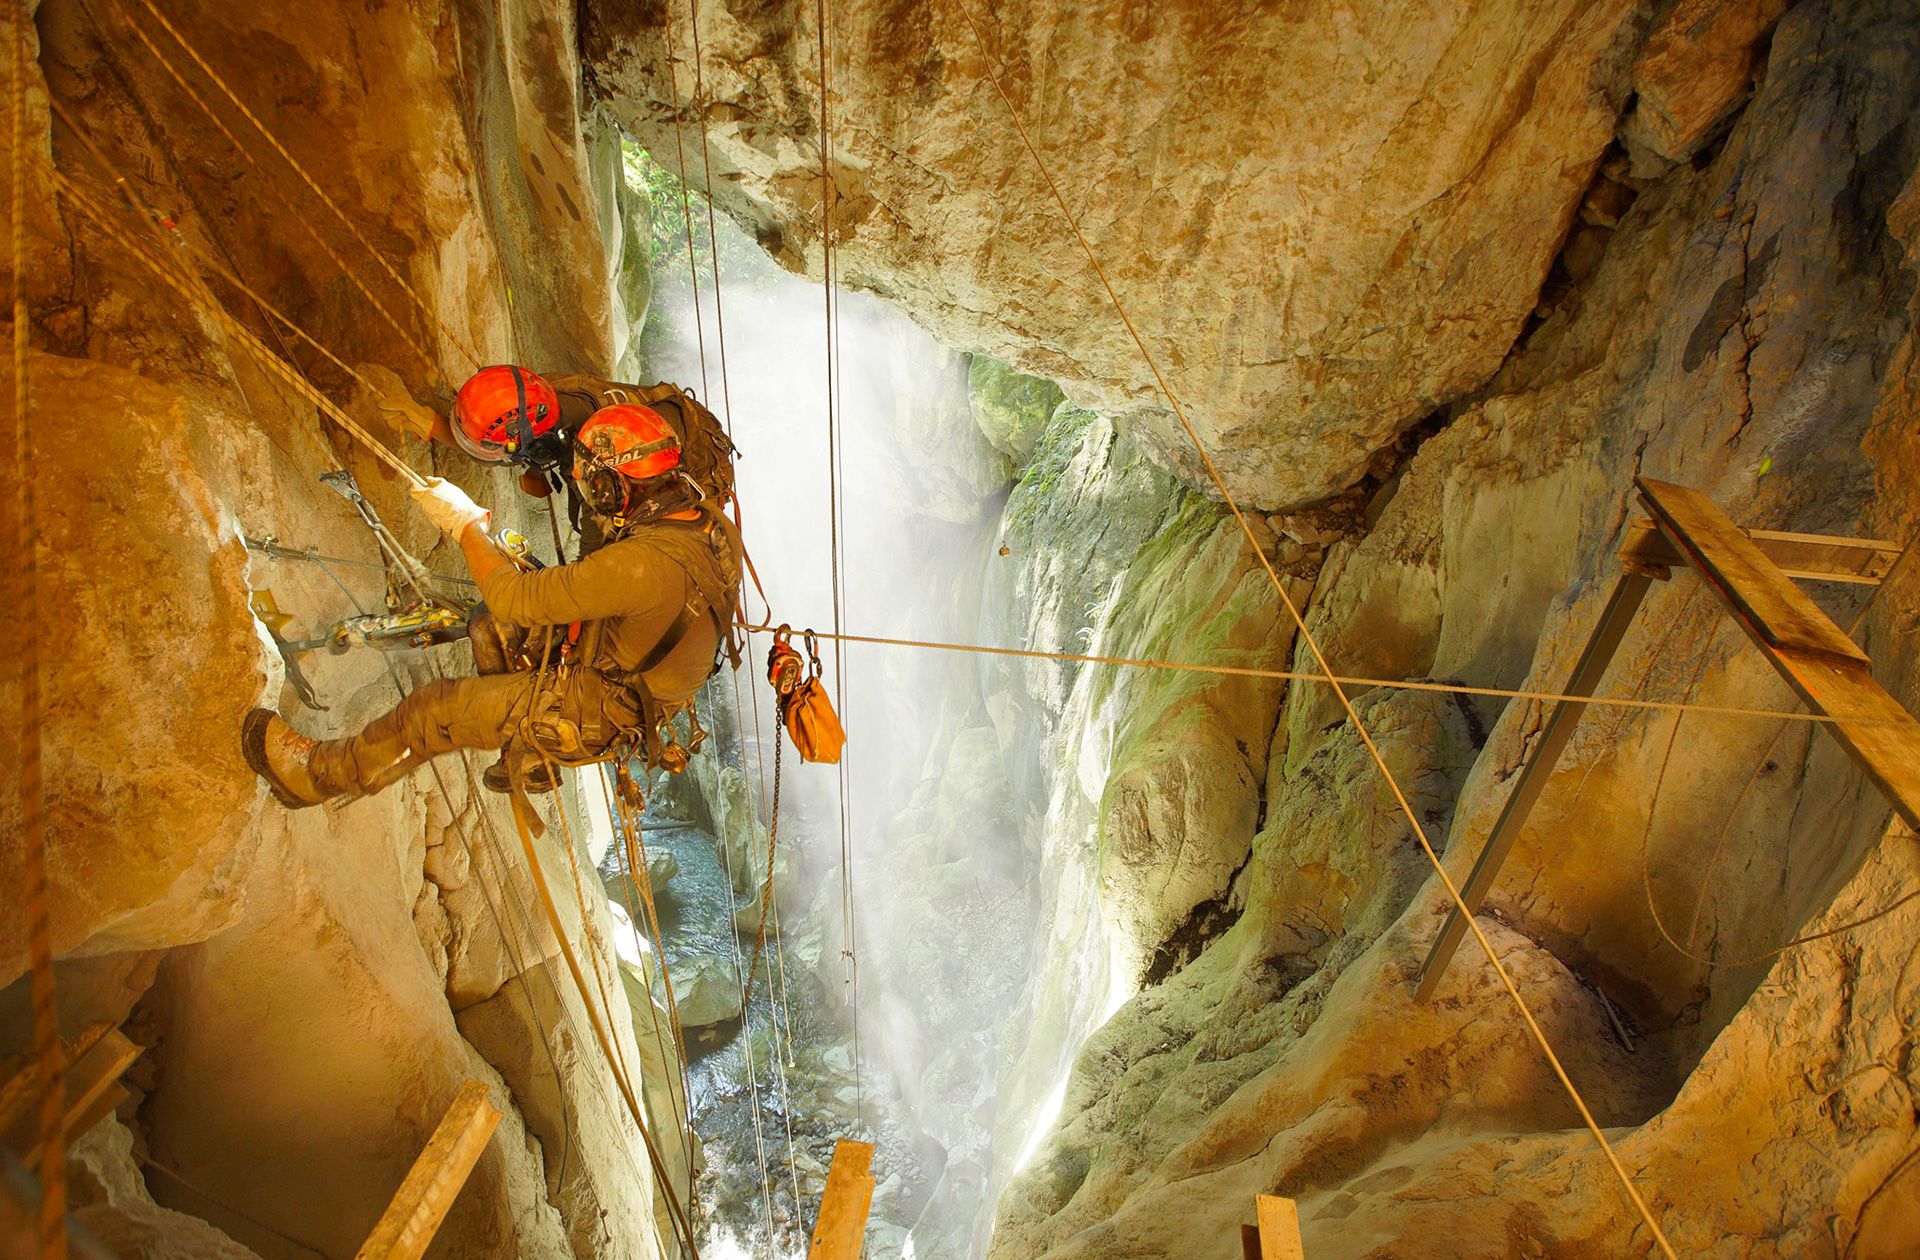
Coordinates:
x,y
643,617
511,414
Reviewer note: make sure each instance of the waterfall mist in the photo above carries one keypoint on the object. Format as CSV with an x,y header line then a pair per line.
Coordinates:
x,y
959,829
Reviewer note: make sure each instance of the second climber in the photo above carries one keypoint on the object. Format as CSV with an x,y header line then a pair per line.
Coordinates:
x,y
511,414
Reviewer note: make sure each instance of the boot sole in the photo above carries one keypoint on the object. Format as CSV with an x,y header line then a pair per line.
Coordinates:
x,y
495,779
253,746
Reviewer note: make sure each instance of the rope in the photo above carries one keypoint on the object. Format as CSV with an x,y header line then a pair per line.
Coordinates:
x,y
766,887
634,850
412,295
103,219
686,214
293,212
37,895
746,1040
1306,635
713,233
1646,859
848,953
699,323
1352,680
677,1214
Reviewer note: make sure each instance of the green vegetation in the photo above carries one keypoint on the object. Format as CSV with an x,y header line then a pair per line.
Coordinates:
x,y
673,204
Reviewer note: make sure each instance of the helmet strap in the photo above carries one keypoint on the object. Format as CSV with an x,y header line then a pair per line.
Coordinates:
x,y
522,422
648,502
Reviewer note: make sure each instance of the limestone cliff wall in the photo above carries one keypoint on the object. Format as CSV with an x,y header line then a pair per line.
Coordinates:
x,y
310,988
1327,219
1744,326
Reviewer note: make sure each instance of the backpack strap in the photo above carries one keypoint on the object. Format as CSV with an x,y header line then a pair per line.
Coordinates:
x,y
690,613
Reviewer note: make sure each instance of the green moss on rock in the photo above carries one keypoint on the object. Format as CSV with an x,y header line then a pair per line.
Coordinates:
x,y
1011,409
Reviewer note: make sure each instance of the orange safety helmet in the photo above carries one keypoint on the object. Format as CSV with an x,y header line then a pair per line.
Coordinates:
x,y
500,411
627,438
619,456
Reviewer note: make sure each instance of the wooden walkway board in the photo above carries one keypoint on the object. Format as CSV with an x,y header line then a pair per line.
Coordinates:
x,y
842,1226
1750,571
1769,606
1277,1235
91,1082
1885,738
420,1204
1810,557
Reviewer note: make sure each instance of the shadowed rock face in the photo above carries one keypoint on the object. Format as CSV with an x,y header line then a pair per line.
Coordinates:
x,y
1325,220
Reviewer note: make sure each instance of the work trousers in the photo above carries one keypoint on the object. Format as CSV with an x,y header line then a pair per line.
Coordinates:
x,y
436,718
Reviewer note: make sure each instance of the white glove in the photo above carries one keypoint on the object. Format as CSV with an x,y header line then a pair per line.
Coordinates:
x,y
449,508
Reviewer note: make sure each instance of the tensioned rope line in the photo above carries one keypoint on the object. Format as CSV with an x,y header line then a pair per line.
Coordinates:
x,y
293,212
772,812
608,1051
706,389
713,235
176,280
412,295
1307,636
1352,680
1711,962
634,852
37,895
848,951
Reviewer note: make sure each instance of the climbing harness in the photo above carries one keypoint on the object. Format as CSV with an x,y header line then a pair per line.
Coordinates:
x,y
801,698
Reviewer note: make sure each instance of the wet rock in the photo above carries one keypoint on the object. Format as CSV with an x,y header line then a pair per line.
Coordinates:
x,y
708,990
1011,409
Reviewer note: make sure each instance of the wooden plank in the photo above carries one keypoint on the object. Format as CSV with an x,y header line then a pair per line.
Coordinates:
x,y
92,1089
1628,592
1808,557
1753,588
17,1095
1279,1228
1883,737
842,1226
1249,1242
434,1181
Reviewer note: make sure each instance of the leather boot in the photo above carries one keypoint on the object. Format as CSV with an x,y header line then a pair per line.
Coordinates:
x,y
535,778
278,754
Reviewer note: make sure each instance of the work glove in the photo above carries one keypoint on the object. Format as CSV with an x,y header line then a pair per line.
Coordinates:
x,y
386,396
449,508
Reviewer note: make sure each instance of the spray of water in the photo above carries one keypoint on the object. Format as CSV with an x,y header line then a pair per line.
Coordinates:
x,y
971,815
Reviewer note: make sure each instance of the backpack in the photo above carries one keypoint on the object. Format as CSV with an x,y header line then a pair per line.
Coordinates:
x,y
706,452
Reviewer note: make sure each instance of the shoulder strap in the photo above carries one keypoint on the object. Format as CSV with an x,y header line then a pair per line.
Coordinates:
x,y
682,624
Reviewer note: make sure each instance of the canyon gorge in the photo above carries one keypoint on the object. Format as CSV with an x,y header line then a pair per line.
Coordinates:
x,y
1150,326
